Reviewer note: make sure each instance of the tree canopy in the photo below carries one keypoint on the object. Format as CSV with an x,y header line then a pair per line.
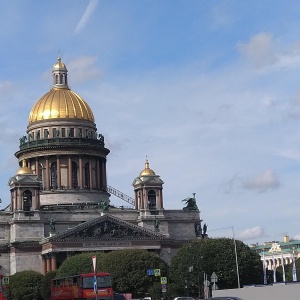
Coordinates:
x,y
215,255
128,268
25,285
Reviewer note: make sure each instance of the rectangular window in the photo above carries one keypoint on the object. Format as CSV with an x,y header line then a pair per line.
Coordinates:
x,y
46,133
63,132
71,133
54,132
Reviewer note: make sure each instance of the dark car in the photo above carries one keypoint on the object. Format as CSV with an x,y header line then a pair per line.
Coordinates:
x,y
118,296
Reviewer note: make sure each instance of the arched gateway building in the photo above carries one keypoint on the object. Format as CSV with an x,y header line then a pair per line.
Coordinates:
x,y
60,200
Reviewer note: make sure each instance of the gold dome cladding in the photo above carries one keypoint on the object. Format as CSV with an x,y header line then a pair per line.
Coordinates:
x,y
60,103
24,169
147,171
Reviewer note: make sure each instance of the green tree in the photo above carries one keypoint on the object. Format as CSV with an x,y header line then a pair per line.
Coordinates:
x,y
79,264
25,285
46,285
128,268
215,255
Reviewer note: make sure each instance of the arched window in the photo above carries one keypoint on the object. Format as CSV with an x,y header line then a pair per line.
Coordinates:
x,y
74,175
151,199
27,200
53,170
87,175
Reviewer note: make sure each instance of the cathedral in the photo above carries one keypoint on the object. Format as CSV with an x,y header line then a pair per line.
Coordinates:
x,y
60,199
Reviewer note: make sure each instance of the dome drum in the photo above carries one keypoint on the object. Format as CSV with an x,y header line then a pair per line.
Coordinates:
x,y
60,142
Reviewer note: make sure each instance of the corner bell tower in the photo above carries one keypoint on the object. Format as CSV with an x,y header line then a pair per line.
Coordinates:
x,y
148,196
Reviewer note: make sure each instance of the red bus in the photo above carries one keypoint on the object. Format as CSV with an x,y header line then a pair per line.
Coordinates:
x,y
81,287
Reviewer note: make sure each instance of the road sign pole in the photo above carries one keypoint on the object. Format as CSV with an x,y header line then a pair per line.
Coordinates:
x,y
95,277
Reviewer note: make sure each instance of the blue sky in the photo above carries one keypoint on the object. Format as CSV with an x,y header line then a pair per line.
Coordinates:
x,y
208,90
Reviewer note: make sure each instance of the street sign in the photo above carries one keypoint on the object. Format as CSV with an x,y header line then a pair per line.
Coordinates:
x,y
156,272
5,280
164,290
214,277
150,272
95,285
163,286
163,280
206,283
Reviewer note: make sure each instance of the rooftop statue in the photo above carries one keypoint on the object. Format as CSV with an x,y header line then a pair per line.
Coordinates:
x,y
190,203
103,205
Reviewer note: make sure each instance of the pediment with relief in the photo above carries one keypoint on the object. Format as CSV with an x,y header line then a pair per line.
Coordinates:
x,y
104,228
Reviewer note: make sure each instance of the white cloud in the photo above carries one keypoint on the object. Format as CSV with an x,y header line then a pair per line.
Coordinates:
x,y
251,233
268,54
267,180
87,15
259,50
296,237
82,69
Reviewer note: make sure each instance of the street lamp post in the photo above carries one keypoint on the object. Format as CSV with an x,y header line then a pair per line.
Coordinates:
x,y
236,258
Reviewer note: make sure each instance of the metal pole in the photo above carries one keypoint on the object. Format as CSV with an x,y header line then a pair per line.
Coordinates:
x,y
236,259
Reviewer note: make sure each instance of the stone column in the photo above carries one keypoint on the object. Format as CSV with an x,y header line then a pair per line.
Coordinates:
x,y
37,169
98,183
80,173
19,199
104,173
53,262
44,265
58,172
159,202
145,199
70,173
48,264
91,174
47,174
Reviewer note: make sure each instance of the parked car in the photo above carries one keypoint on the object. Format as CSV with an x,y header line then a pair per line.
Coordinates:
x,y
118,296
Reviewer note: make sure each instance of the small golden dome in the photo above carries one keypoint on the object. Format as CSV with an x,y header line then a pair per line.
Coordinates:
x,y
59,65
24,169
60,103
147,171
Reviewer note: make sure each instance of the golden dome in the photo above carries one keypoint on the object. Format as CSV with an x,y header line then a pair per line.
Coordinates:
x,y
147,171
59,65
60,103
24,169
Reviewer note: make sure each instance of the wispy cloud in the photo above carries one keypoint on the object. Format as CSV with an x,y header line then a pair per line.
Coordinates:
x,y
251,233
259,50
87,15
82,69
267,53
267,180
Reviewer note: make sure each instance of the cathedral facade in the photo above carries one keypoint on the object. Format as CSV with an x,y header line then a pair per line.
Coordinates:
x,y
60,200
